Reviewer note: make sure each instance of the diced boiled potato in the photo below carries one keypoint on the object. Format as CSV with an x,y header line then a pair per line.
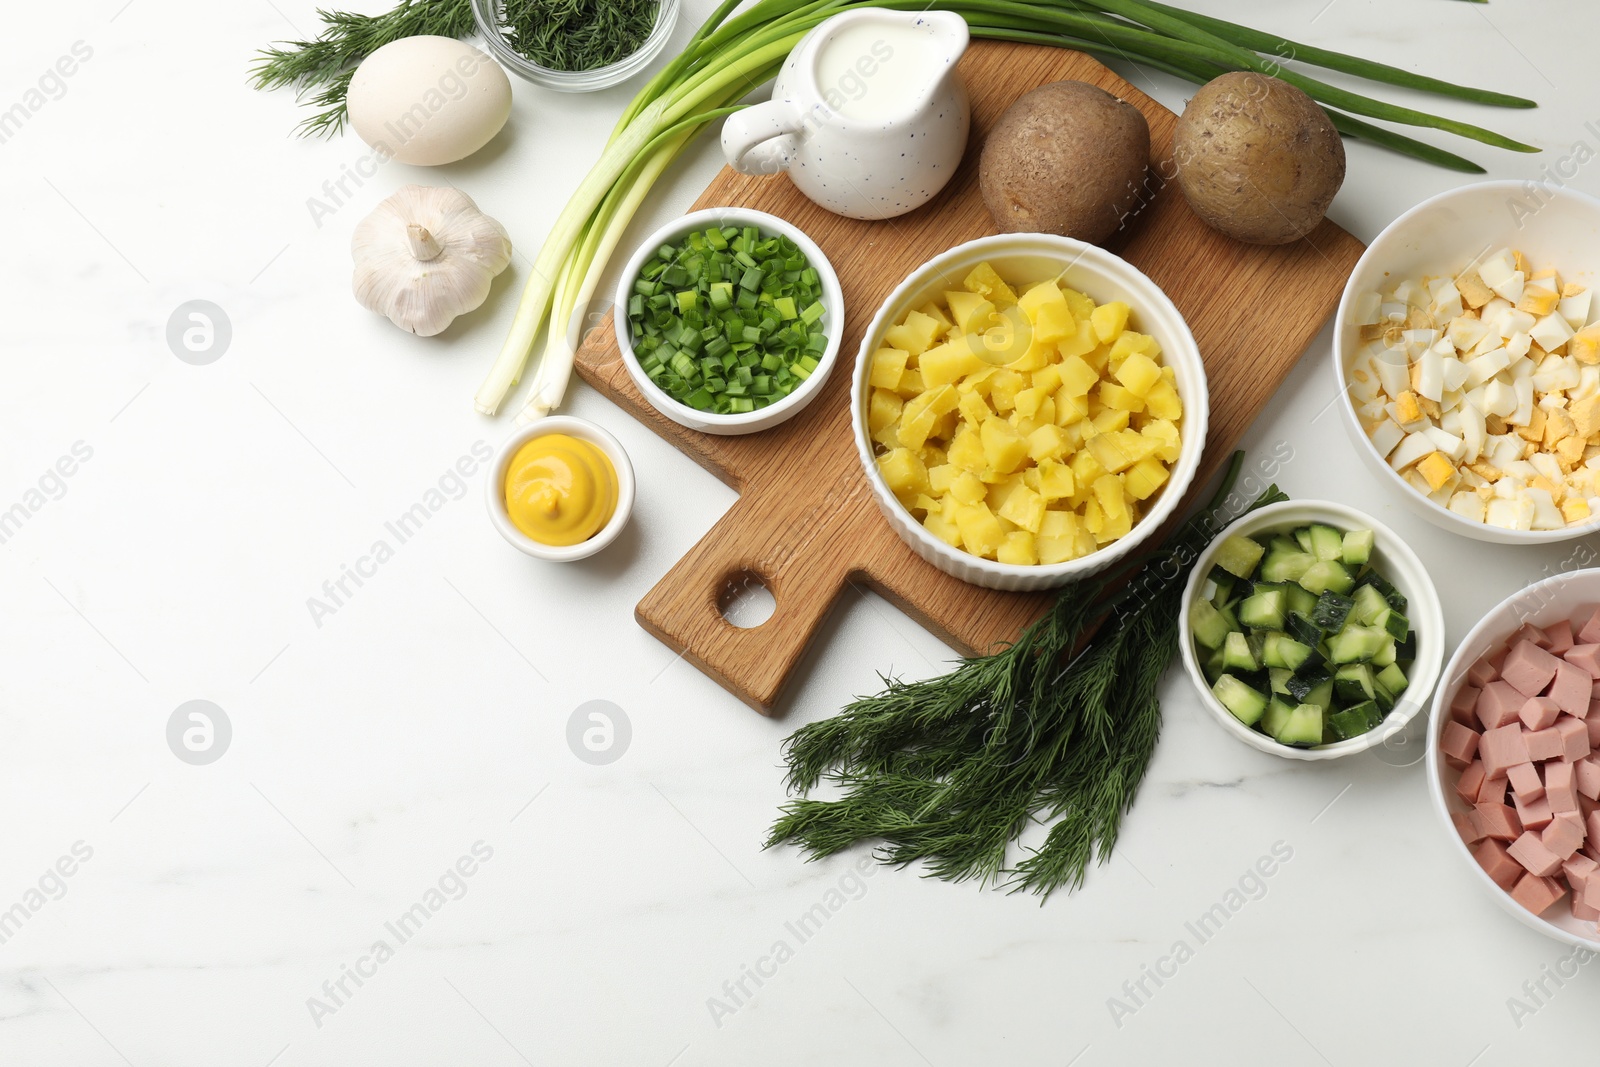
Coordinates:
x,y
1120,449
966,448
1024,507
1029,400
904,473
1069,409
1080,343
943,529
1166,438
967,488
981,532
915,334
1081,305
1128,342
974,408
1047,309
1109,320
1047,442
883,409
1046,378
888,364
1055,480
1163,402
1077,377
910,384
986,282
948,363
1139,374
1145,477
971,312
1018,548
1003,448
1110,420
1119,398
942,477
1003,389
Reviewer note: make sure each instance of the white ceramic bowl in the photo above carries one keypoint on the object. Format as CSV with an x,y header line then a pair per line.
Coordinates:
x,y
1442,235
1543,603
495,497
1027,258
832,322
1393,558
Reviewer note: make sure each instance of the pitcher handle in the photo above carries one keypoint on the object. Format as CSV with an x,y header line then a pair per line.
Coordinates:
x,y
761,139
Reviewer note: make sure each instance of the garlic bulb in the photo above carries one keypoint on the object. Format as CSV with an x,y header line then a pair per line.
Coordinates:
x,y
426,255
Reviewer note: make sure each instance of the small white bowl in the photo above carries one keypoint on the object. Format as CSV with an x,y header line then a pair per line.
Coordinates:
x,y
1439,236
1034,257
495,494
1556,598
1394,560
762,418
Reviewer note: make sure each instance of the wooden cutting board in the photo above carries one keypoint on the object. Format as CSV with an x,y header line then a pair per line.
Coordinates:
x,y
805,524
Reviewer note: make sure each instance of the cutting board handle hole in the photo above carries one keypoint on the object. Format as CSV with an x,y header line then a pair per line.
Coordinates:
x,y
745,601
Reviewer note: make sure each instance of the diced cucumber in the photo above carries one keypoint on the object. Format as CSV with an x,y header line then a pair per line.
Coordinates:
x,y
1356,644
1353,683
1303,537
1210,628
1326,543
1331,612
1213,665
1236,653
1393,596
1283,543
1356,720
1300,599
1369,604
1396,624
1387,651
1263,610
1276,715
1384,699
1306,679
1302,629
1279,679
1285,566
1325,575
1357,548
1393,679
1224,585
1303,727
1281,650
1321,696
1239,556
1245,703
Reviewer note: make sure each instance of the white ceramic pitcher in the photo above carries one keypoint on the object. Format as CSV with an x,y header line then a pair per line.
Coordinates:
x,y
868,115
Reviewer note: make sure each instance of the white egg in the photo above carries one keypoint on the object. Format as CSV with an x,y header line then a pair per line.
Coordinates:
x,y
428,100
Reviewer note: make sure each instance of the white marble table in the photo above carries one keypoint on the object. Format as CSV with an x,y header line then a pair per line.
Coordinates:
x,y
216,914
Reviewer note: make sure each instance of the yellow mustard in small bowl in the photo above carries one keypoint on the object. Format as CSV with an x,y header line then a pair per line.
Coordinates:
x,y
560,490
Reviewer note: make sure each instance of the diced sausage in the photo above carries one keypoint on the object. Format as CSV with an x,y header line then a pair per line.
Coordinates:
x,y
1560,786
1534,855
1537,894
1543,744
1572,689
1529,668
1563,836
1537,713
1498,704
1526,784
1458,743
1497,863
1504,747
1574,739
1470,782
1558,637
1589,632
1498,821
1587,657
1464,706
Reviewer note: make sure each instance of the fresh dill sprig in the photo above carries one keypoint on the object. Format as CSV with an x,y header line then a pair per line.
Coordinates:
x,y
320,69
950,770
577,34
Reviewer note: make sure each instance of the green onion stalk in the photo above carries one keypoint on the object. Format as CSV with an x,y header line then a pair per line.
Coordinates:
x,y
733,54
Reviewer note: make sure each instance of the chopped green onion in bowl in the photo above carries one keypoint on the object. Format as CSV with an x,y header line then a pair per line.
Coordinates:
x,y
727,320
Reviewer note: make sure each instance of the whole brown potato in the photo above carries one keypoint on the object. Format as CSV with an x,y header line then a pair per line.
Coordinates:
x,y
1257,159
1066,158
